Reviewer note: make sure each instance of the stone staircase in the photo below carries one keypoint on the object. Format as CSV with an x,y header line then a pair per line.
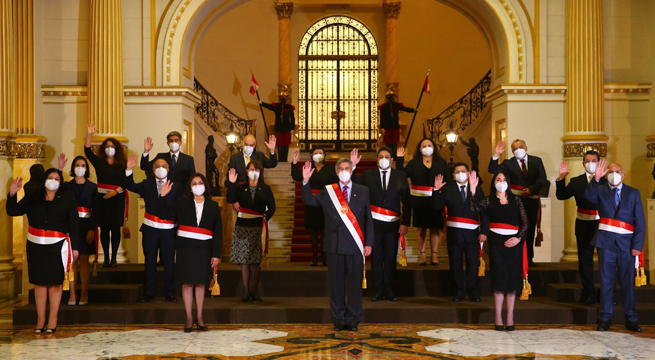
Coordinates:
x,y
281,225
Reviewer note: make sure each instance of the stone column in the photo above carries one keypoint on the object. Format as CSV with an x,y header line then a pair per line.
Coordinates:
x,y
585,122
391,12
284,10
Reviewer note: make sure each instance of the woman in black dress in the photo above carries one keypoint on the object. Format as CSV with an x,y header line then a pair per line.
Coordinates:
x,y
508,225
86,196
109,163
256,207
199,242
52,241
322,176
422,170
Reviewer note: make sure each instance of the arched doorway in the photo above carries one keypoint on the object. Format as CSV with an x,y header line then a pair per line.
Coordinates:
x,y
338,85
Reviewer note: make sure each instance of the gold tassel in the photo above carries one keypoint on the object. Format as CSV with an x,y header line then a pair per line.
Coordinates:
x,y
95,269
71,276
126,232
402,259
66,285
637,279
216,289
524,292
644,278
364,280
528,287
482,268
265,262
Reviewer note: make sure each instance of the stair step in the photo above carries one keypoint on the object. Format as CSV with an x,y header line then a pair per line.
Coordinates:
x,y
104,293
571,293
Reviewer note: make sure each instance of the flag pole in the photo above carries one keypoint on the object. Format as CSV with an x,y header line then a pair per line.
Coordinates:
x,y
415,112
260,109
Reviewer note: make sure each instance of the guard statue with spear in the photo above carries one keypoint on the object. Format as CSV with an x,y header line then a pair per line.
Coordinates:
x,y
285,121
389,121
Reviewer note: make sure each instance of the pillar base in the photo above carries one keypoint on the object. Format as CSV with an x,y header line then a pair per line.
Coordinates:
x,y
570,255
7,284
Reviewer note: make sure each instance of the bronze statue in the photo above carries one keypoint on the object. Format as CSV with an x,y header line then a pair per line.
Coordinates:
x,y
653,173
210,167
473,150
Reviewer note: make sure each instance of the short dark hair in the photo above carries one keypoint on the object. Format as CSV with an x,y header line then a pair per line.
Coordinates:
x,y
174,133
314,148
208,187
384,148
72,171
50,171
257,166
591,152
461,164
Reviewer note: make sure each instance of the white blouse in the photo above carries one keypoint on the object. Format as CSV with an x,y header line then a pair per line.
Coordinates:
x,y
199,208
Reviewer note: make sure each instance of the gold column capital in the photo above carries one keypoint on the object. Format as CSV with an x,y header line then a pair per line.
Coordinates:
x,y
391,9
577,150
284,9
650,146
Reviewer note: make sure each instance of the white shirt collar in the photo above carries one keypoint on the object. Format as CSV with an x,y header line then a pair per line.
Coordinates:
x,y
524,158
177,154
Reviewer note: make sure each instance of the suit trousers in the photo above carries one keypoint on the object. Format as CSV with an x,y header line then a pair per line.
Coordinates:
x,y
383,261
345,273
532,211
155,241
586,265
457,252
608,260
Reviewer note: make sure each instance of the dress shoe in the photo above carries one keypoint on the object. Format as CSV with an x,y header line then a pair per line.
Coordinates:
x,y
377,297
603,326
352,328
170,298
202,327
499,327
391,297
146,298
255,298
338,328
588,300
53,330
509,327
475,299
532,264
245,298
188,329
113,264
106,264
458,298
39,331
313,263
632,326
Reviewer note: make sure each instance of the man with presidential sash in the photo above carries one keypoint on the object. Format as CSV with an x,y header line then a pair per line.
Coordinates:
x,y
619,240
348,239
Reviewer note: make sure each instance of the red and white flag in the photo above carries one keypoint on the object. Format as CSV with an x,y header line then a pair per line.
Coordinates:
x,y
255,85
426,85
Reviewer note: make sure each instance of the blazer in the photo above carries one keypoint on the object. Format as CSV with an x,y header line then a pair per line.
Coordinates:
x,y
184,210
630,210
577,188
536,178
264,202
450,196
421,175
88,198
336,238
396,198
238,162
184,166
147,189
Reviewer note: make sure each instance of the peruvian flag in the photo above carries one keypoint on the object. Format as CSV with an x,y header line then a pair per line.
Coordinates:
x,y
426,85
255,85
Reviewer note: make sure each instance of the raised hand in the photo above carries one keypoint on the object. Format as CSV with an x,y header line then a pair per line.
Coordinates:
x,y
601,170
438,182
296,156
232,175
307,172
563,170
500,148
90,128
473,181
270,144
16,185
147,144
61,161
166,188
400,152
131,162
355,157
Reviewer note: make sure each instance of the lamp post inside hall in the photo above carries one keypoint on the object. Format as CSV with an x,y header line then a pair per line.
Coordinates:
x,y
451,139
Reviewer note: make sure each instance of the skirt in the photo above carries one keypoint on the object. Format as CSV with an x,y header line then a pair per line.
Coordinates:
x,y
246,245
391,136
506,265
85,247
112,211
44,264
283,138
193,265
427,218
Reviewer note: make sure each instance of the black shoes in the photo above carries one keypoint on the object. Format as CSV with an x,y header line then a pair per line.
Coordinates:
x,y
391,297
458,298
53,330
509,327
255,298
499,327
632,326
245,298
475,299
313,263
188,329
352,328
604,326
377,297
113,264
202,328
146,298
170,298
338,328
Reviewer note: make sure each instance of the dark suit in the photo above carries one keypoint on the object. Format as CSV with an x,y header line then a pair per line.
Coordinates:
x,y
345,261
180,173
615,249
385,249
238,162
155,240
585,230
463,241
535,180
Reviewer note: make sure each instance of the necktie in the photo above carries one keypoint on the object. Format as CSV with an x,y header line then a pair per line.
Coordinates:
x,y
174,160
344,191
617,197
159,185
463,192
384,180
524,168
247,160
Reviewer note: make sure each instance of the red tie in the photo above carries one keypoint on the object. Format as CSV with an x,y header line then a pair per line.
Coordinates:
x,y
524,168
344,191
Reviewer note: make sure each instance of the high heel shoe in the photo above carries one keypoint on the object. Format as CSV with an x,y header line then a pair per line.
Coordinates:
x,y
188,329
51,331
509,327
245,298
255,298
434,263
202,328
422,263
499,327
39,331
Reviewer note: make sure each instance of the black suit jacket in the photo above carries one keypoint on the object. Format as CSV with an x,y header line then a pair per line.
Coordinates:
x,y
264,202
184,166
451,197
147,189
238,162
337,239
536,178
395,198
184,210
576,188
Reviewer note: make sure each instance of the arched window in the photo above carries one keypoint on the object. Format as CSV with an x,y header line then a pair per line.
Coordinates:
x,y
338,85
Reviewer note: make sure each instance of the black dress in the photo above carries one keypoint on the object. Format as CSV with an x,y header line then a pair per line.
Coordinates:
x,y
425,216
112,210
506,262
193,257
44,262
86,196
319,179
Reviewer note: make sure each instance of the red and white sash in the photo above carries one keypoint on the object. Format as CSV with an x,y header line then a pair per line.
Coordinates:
x,y
615,226
157,223
518,190
587,215
421,191
252,214
347,216
385,215
106,188
192,232
49,237
503,229
83,212
462,223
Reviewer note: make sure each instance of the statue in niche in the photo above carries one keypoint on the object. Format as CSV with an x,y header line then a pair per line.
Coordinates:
x,y
473,150
653,173
210,166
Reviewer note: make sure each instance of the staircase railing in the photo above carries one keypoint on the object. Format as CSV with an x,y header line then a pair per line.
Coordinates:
x,y
218,117
461,113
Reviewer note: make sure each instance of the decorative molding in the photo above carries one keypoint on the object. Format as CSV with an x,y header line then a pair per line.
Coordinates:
x,y
5,148
170,34
391,9
627,91
28,150
532,92
573,150
650,152
284,9
520,38
133,94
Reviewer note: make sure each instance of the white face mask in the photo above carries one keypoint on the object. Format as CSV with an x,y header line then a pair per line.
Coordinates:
x,y
110,151
161,172
614,178
501,186
248,150
519,153
253,175
461,177
80,171
318,158
384,163
174,146
52,184
427,151
198,190
590,167
344,176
